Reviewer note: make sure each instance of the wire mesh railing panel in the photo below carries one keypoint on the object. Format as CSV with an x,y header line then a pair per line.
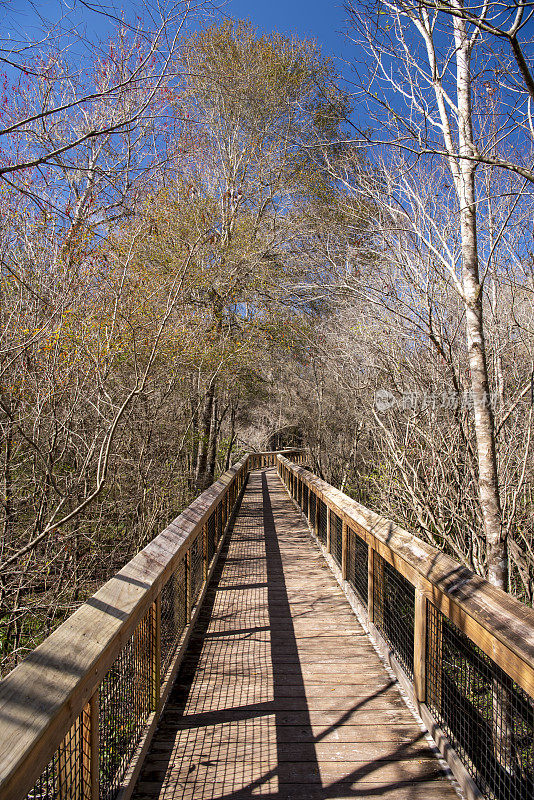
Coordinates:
x,y
394,611
488,718
312,509
357,565
126,699
211,537
196,568
67,774
321,522
220,527
336,537
47,786
173,614
305,496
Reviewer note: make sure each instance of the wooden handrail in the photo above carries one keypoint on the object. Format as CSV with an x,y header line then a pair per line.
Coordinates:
x,y
496,622
48,691
442,592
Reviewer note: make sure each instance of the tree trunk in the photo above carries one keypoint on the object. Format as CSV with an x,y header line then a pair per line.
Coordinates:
x,y
212,447
231,440
488,481
194,431
205,428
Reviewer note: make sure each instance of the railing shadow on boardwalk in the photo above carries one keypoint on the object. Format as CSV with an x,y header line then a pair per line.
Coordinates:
x,y
269,777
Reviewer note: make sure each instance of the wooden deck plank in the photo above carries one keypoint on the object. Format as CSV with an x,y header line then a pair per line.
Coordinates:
x,y
281,694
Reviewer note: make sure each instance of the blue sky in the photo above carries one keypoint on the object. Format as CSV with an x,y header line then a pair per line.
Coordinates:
x,y
322,20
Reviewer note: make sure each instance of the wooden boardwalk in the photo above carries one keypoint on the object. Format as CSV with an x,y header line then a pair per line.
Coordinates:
x,y
281,694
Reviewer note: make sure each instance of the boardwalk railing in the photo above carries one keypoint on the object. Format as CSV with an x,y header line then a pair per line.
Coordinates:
x,y
462,649
77,715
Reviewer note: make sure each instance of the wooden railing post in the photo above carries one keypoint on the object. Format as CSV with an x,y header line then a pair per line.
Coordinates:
x,y
90,749
419,655
328,513
344,545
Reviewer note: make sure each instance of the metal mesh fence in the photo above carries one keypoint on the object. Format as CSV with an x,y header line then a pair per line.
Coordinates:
x,y
173,614
126,699
488,718
394,611
312,509
336,540
305,496
321,526
220,527
67,773
211,536
196,567
357,565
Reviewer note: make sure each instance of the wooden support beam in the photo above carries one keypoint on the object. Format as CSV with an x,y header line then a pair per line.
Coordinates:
x,y
92,751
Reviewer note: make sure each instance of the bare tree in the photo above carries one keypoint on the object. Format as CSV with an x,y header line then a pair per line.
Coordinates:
x,y
422,63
